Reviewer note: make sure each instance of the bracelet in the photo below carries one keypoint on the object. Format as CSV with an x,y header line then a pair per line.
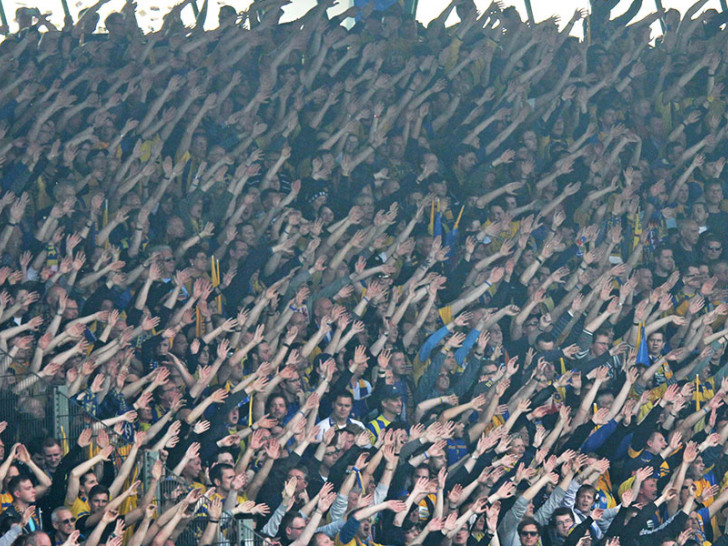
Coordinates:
x,y
366,299
539,259
213,521
11,224
390,468
488,283
426,456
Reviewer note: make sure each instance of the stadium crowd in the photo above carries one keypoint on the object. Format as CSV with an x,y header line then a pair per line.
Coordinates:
x,y
394,285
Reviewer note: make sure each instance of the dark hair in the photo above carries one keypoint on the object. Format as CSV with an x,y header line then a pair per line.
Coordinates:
x,y
269,402
15,481
660,249
89,473
344,394
528,521
545,337
216,471
50,442
562,511
98,490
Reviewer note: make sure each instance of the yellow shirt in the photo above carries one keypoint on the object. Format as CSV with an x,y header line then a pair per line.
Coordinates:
x,y
80,507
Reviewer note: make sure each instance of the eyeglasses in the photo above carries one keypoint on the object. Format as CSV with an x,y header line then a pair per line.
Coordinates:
x,y
529,533
715,248
68,520
167,259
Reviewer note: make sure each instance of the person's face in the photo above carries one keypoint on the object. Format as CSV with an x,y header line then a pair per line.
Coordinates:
x,y
529,535
25,492
71,310
301,481
87,482
193,468
293,385
585,501
518,447
233,416
278,408
600,345
98,502
180,345
175,228
398,364
264,352
396,147
713,250
648,489
690,233
698,467
322,308
461,537
644,280
52,456
442,383
392,405
529,141
497,213
331,455
342,407
563,524
666,261
225,483
239,250
225,457
65,524
468,161
496,335
12,472
367,207
168,392
656,443
489,371
326,215
714,193
198,147
656,343
166,263
683,195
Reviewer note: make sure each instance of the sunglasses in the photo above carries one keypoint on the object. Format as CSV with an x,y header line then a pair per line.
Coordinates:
x,y
529,533
68,520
